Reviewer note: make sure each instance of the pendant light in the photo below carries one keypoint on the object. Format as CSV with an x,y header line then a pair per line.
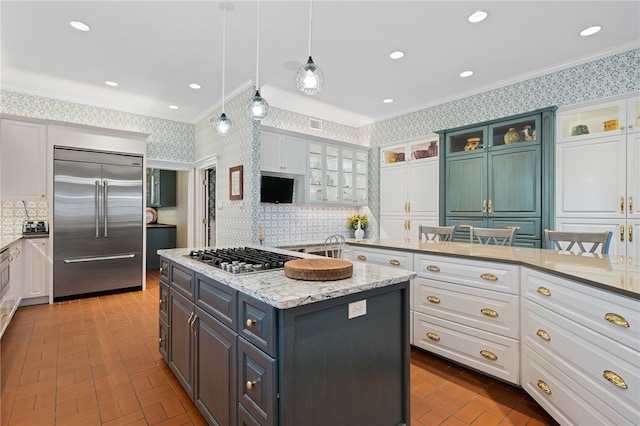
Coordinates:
x,y
257,107
309,78
222,125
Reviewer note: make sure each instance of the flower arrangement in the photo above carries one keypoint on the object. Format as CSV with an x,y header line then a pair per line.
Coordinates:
x,y
352,221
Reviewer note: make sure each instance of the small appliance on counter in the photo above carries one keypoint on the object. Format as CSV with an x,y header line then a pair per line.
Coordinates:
x,y
35,228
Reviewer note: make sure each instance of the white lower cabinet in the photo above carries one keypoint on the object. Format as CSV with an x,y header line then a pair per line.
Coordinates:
x,y
581,351
468,311
35,275
10,284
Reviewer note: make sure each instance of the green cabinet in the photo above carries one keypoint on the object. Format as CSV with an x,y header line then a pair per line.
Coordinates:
x,y
159,237
498,174
161,188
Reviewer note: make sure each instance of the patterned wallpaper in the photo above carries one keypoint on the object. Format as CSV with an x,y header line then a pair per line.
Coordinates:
x,y
238,221
168,140
14,213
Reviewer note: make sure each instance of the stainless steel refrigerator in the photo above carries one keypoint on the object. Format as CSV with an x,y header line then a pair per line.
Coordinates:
x,y
97,222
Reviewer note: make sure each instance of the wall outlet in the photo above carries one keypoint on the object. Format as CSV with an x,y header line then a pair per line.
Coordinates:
x,y
357,309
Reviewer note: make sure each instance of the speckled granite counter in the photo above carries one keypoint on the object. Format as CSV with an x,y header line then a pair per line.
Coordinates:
x,y
281,292
615,273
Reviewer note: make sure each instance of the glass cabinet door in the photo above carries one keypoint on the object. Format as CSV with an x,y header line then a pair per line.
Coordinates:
x,y
332,174
315,185
589,121
347,182
361,183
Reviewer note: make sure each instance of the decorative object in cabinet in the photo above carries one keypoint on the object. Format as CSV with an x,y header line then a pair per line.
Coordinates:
x,y
608,160
161,188
502,183
23,165
409,189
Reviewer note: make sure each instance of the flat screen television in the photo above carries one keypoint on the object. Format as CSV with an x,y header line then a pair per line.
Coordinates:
x,y
275,189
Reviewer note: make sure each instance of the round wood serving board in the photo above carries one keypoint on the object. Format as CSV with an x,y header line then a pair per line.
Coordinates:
x,y
318,269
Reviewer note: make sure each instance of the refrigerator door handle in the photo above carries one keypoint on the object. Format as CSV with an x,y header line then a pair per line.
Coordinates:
x,y
105,208
97,209
93,259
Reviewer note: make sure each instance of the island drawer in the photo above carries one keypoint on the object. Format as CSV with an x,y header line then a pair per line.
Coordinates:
x,y
163,340
399,259
563,398
257,323
217,299
256,383
164,270
495,355
490,311
558,340
473,273
164,302
182,279
612,315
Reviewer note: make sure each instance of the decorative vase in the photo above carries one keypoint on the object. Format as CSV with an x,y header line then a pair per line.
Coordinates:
x,y
359,233
512,136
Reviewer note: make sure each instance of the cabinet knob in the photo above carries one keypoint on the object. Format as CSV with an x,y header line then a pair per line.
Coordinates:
x,y
544,291
544,387
362,257
433,299
161,339
251,385
433,336
433,268
251,323
543,335
489,355
394,262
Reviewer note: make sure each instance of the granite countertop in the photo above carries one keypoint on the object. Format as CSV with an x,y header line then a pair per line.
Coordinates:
x,y
281,292
619,274
7,240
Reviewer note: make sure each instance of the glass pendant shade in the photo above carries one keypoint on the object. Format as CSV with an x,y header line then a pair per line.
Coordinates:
x,y
257,107
222,125
309,78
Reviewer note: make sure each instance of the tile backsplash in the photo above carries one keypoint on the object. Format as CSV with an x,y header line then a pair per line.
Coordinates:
x,y
14,213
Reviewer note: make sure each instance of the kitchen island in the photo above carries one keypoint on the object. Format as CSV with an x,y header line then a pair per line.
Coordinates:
x,y
265,349
563,326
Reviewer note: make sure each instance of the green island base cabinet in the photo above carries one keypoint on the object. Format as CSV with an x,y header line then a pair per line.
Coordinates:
x,y
246,362
564,327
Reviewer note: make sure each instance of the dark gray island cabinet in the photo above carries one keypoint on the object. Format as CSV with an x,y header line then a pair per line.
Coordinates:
x,y
341,360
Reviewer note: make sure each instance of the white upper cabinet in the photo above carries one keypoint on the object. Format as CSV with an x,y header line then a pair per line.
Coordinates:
x,y
282,153
23,166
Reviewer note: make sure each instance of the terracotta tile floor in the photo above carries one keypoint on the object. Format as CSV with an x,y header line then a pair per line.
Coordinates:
x,y
95,362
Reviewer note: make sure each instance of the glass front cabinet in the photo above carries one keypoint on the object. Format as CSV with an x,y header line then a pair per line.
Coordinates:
x,y
337,174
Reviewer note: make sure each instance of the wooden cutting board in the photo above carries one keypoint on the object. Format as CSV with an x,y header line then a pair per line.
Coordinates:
x,y
318,269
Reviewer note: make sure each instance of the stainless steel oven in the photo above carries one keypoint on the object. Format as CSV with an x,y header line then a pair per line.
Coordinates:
x,y
5,261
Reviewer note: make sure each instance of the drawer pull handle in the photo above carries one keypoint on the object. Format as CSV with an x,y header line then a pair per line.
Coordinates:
x,y
543,335
362,257
616,319
251,323
464,226
433,336
621,204
394,262
161,271
161,339
433,268
621,232
614,378
544,291
544,387
630,233
433,299
161,301
489,277
489,355
251,385
489,312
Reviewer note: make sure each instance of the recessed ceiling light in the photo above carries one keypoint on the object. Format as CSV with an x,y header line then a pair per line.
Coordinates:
x,y
590,31
111,83
80,26
477,16
396,54
465,74
388,101
195,86
174,107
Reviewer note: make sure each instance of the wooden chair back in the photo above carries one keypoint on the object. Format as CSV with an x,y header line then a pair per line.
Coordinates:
x,y
574,241
436,233
493,236
334,246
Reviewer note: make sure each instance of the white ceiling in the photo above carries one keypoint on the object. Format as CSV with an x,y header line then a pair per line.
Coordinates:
x,y
154,49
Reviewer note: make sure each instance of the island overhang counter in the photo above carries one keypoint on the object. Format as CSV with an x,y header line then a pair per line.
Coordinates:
x,y
265,349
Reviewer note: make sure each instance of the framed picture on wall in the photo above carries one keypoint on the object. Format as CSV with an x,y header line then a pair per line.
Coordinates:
x,y
235,183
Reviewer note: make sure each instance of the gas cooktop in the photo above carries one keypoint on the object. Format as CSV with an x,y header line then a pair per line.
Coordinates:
x,y
241,260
